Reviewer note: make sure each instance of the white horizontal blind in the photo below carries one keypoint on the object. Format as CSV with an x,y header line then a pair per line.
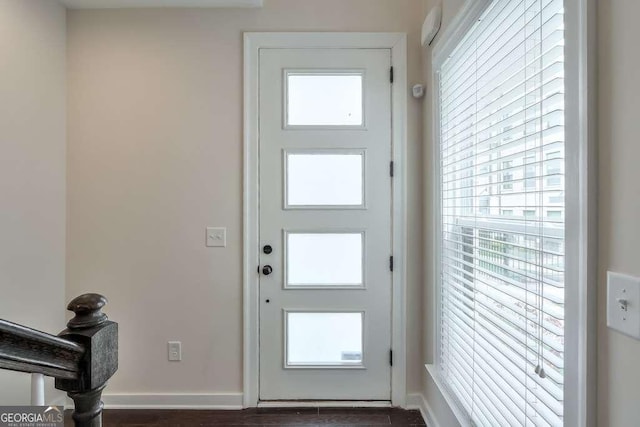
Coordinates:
x,y
501,351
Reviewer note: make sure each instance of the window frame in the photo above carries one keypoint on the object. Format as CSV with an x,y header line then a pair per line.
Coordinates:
x,y
580,205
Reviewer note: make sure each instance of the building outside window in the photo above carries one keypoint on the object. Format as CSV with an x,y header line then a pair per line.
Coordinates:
x,y
501,333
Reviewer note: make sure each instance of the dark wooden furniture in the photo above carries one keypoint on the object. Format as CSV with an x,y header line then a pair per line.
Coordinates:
x,y
81,358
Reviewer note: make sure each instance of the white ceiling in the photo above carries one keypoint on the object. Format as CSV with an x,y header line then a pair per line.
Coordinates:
x,y
118,4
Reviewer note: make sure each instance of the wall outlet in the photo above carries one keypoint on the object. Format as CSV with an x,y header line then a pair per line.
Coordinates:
x,y
216,237
175,351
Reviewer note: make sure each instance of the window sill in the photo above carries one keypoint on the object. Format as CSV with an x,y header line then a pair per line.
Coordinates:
x,y
462,418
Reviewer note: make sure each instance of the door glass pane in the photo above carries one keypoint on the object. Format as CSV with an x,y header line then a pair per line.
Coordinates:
x,y
324,179
324,339
324,99
324,259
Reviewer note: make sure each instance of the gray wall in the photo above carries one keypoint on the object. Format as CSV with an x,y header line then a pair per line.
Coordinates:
x,y
32,172
155,156
619,200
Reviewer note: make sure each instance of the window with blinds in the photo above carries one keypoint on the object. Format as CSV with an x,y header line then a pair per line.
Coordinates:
x,y
502,239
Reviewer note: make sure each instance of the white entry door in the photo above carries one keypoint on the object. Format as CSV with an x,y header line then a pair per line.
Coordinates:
x,y
325,224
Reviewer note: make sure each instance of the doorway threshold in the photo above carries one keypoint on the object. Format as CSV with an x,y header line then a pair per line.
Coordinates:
x,y
324,404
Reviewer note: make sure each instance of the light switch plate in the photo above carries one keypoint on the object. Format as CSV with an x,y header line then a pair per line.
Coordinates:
x,y
623,304
216,237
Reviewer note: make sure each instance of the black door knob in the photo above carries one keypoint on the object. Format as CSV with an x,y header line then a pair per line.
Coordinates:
x,y
267,270
267,249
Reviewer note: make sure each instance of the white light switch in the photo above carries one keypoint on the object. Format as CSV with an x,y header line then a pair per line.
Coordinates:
x,y
623,304
216,237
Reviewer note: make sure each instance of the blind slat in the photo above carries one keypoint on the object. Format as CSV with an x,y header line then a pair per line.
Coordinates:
x,y
516,373
488,340
481,49
509,77
512,289
514,330
470,128
501,165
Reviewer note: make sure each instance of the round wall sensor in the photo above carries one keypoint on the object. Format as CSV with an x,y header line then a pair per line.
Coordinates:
x,y
418,91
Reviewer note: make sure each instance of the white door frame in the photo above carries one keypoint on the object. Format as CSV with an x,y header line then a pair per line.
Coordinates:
x,y
253,42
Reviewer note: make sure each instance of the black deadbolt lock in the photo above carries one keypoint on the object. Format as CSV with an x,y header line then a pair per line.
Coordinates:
x,y
267,249
266,270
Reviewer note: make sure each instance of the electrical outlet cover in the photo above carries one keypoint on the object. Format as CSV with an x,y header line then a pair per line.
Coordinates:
x,y
175,351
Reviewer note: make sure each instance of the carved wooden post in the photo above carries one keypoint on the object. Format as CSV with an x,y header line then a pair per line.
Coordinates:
x,y
99,336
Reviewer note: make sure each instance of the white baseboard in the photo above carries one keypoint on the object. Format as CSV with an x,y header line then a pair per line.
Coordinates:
x,y
228,401
417,401
233,401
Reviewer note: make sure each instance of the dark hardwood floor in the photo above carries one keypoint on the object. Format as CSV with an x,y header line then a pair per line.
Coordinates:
x,y
326,417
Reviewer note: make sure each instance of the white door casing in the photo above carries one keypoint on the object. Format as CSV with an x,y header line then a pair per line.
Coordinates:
x,y
395,43
325,210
